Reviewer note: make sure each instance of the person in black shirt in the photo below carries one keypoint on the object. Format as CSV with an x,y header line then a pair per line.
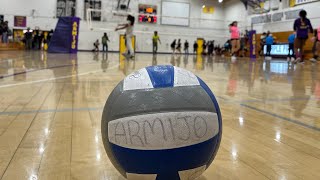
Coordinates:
x,y
173,46
210,48
179,46
28,39
195,47
186,47
5,31
1,29
204,48
36,39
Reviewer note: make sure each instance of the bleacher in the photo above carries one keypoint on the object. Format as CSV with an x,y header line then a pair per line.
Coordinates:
x,y
282,37
11,46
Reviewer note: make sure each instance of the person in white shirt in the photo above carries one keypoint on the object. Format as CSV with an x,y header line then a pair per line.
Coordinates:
x,y
129,33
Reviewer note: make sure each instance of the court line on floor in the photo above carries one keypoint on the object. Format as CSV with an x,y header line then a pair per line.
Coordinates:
x,y
273,114
281,117
280,100
40,69
51,110
51,79
267,100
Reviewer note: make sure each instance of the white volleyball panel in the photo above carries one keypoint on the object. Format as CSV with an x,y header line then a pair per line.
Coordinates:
x,y
192,173
137,80
131,176
184,78
163,130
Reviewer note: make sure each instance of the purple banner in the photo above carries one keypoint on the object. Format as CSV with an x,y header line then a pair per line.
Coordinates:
x,y
20,21
74,34
253,43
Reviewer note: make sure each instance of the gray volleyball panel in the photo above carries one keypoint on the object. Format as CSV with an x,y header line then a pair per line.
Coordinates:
x,y
104,126
136,102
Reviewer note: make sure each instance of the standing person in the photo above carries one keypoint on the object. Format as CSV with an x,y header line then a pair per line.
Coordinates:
x,y
173,46
195,47
269,43
5,31
41,38
155,39
291,39
1,29
262,42
36,39
243,48
204,47
302,26
235,38
179,46
105,40
186,47
28,38
210,48
318,42
129,34
316,46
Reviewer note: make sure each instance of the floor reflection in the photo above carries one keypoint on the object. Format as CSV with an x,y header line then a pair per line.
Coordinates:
x,y
51,106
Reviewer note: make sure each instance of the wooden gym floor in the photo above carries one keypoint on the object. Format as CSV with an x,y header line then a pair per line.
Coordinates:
x,y
51,106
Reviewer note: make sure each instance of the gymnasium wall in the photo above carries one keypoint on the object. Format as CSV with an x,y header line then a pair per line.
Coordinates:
x,y
45,11
287,25
213,31
235,11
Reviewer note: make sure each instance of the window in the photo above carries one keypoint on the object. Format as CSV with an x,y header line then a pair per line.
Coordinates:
x,y
66,8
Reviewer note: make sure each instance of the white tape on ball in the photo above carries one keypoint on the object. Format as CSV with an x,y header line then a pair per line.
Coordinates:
x,y
163,130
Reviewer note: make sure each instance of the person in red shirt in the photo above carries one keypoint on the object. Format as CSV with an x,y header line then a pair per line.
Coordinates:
x,y
235,38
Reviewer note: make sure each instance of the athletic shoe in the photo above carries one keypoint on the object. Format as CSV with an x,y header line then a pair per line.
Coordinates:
x,y
233,57
301,62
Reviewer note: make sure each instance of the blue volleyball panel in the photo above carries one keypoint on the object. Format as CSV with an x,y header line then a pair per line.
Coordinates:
x,y
161,76
165,163
215,102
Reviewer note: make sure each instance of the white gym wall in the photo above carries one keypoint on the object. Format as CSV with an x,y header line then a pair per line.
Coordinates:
x,y
235,9
45,11
287,25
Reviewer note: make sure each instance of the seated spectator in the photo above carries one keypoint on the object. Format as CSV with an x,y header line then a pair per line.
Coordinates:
x,y
96,46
